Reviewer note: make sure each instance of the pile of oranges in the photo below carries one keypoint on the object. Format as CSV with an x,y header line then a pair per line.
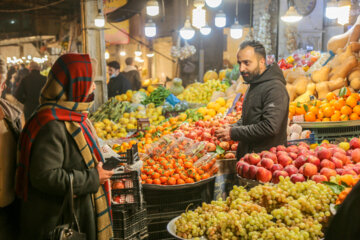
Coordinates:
x,y
333,108
350,182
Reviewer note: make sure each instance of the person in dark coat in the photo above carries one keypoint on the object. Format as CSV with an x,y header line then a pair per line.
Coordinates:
x,y
265,108
28,92
59,139
345,224
132,74
9,82
118,84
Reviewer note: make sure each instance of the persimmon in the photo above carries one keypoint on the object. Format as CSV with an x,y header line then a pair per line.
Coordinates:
x,y
354,116
356,109
171,181
330,96
163,179
189,180
310,117
351,101
149,181
157,181
346,110
344,117
328,112
335,117
180,181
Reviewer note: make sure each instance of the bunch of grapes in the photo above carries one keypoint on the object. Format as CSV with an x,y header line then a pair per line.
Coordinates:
x,y
283,211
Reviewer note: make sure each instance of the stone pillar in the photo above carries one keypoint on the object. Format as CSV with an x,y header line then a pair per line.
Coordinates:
x,y
94,44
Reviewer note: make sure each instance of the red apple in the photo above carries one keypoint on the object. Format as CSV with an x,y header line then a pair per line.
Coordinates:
x,y
299,161
327,172
297,178
267,163
293,155
118,185
279,153
291,169
342,157
252,172
349,152
276,167
319,178
355,155
301,170
356,168
303,152
246,157
310,170
314,160
281,148
324,153
355,143
273,149
238,165
263,175
292,149
270,155
303,144
337,149
234,147
284,160
254,158
339,171
350,172
262,153
277,174
338,163
327,163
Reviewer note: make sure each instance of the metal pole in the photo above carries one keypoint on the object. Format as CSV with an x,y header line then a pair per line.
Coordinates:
x,y
201,59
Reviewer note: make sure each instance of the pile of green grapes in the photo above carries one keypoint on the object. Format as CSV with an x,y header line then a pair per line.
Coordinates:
x,y
266,212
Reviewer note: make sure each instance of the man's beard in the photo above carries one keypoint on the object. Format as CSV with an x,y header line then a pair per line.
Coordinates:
x,y
250,76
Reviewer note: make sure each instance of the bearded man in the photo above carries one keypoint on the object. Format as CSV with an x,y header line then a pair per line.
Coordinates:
x,y
266,104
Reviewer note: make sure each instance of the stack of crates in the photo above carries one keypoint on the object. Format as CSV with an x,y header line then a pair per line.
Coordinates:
x,y
128,209
164,205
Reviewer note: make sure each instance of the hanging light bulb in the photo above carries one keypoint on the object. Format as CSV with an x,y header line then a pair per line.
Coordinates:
x,y
199,14
150,29
107,55
139,59
291,15
99,20
187,32
332,9
152,8
344,12
236,30
150,54
205,30
138,52
122,53
220,19
213,3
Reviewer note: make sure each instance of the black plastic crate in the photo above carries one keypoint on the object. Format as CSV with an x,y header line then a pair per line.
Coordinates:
x,y
157,227
130,156
133,190
127,224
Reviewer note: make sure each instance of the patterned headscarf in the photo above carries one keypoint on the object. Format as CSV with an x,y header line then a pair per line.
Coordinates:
x,y
65,97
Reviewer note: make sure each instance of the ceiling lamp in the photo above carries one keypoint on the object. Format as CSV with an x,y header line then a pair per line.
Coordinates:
x,y
138,52
150,29
150,54
344,12
152,8
213,3
99,20
107,55
122,53
236,30
187,32
291,16
198,17
139,59
205,30
332,9
220,19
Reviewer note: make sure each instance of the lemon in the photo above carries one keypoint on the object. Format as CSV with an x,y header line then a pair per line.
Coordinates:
x,y
133,120
151,105
129,94
119,135
122,130
130,126
222,110
221,101
325,141
126,115
211,113
150,89
115,128
344,145
159,110
202,111
161,118
108,136
108,128
124,97
106,121
132,114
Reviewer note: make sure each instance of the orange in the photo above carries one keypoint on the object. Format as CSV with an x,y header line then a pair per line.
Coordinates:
x,y
335,117
328,112
300,110
351,101
344,117
348,179
356,96
354,116
330,96
339,103
326,120
346,110
292,109
320,114
314,110
310,117
356,109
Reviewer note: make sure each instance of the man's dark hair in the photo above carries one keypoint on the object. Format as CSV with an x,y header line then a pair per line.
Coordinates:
x,y
129,61
258,47
114,64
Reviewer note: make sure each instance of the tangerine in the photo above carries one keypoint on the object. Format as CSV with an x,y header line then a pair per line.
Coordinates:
x,y
292,109
328,112
330,96
356,96
310,117
356,109
300,110
344,117
314,110
346,110
326,120
354,116
335,117
351,101
320,114
339,103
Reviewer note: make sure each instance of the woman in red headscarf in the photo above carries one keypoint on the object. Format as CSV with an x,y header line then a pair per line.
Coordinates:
x,y
59,139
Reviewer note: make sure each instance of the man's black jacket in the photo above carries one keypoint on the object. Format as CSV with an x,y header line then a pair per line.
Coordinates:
x,y
264,115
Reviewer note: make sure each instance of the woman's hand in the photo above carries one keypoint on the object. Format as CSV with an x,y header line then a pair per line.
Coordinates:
x,y
104,175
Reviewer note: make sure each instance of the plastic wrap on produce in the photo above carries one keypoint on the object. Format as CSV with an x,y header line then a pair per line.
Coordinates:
x,y
320,62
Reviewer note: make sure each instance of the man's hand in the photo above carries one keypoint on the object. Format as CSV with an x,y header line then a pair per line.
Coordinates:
x,y
223,133
104,175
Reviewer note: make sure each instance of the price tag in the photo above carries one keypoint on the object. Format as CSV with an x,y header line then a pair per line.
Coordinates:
x,y
298,118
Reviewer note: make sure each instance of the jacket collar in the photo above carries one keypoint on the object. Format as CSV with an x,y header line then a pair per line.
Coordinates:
x,y
129,68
